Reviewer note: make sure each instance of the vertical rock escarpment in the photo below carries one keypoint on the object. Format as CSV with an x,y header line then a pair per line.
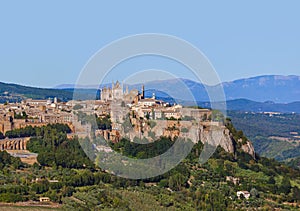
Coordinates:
x,y
248,147
221,135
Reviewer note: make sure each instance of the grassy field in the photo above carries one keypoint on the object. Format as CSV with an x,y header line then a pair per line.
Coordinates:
x,y
17,208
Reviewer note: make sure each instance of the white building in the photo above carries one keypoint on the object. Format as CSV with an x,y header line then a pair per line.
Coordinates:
x,y
245,194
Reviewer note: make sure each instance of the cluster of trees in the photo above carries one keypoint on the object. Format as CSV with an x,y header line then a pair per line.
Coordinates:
x,y
77,107
104,123
10,197
237,134
294,163
85,118
30,131
96,198
2,136
7,160
55,149
142,151
95,121
22,115
23,132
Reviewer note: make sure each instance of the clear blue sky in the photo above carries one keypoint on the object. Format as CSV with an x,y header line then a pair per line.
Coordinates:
x,y
46,43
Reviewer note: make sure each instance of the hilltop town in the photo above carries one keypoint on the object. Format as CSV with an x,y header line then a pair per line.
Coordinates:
x,y
114,102
128,114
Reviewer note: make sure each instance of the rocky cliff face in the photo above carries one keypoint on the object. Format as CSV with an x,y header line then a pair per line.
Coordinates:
x,y
217,136
220,135
213,133
226,142
248,148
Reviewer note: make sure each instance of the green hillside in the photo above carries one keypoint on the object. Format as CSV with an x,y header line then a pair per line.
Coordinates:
x,y
189,186
273,135
14,92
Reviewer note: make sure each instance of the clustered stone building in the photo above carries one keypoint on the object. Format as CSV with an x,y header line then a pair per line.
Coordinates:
x,y
116,92
34,113
114,101
139,109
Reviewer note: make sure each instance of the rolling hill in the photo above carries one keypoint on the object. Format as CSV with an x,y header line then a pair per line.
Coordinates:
x,y
15,91
273,135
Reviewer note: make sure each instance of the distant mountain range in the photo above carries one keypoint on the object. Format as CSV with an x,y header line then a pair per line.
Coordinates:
x,y
280,89
276,88
258,94
248,105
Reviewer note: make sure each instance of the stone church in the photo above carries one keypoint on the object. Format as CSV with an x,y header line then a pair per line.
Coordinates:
x,y
116,92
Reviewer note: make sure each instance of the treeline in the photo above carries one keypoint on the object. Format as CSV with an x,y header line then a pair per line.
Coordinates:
x,y
22,115
103,123
55,149
237,134
142,151
30,131
294,163
7,160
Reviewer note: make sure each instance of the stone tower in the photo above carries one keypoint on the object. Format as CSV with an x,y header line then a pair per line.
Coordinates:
x,y
143,92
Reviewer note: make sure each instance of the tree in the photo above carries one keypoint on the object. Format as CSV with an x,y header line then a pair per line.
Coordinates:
x,y
176,182
285,185
272,181
296,194
204,117
254,193
10,197
2,136
104,123
77,107
163,183
148,116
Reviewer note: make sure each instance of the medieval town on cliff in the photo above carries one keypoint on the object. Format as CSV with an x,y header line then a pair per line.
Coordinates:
x,y
131,114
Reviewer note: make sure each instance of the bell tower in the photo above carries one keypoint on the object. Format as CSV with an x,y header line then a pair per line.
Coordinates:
x,y
143,92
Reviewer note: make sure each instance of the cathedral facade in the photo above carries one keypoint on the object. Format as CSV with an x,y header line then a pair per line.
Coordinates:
x,y
113,93
116,92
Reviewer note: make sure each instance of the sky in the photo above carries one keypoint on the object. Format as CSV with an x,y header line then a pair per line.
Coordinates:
x,y
47,43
